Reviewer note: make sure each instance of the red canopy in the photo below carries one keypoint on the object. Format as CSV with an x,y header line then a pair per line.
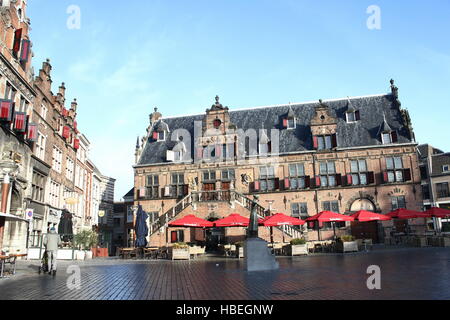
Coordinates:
x,y
191,221
281,219
233,220
437,213
367,216
407,214
328,216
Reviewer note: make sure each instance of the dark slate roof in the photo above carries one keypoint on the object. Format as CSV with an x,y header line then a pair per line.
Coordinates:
x,y
359,134
439,161
130,193
424,148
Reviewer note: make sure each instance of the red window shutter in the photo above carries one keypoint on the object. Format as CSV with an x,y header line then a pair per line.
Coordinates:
x,y
287,184
385,177
32,132
25,51
339,180
66,132
317,182
371,178
174,236
349,180
357,115
394,136
407,174
256,186
316,142
307,182
75,125
334,140
6,108
76,144
155,135
185,189
20,121
285,123
17,40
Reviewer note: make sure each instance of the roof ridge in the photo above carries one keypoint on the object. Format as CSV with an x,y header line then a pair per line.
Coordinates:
x,y
296,104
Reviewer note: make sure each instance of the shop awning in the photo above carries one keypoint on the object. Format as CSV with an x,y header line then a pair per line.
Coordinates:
x,y
12,217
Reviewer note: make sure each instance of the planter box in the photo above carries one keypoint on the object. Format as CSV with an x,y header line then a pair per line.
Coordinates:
x,y
241,253
181,254
299,250
67,254
80,255
100,252
420,242
347,246
444,242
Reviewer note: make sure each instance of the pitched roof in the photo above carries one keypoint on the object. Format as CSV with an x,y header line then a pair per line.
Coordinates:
x,y
362,133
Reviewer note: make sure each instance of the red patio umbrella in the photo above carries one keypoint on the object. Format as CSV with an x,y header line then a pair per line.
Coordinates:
x,y
280,219
233,220
405,214
328,216
438,213
191,221
367,216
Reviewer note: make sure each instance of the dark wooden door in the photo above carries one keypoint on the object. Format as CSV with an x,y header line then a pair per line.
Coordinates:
x,y
209,191
225,194
365,230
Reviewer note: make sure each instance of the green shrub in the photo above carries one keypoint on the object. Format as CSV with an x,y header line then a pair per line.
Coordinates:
x,y
86,239
297,242
347,238
180,245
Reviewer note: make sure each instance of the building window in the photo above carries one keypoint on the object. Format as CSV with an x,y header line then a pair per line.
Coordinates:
x,y
23,107
353,116
426,192
162,136
177,236
54,194
297,179
394,170
325,142
299,210
398,202
152,187
267,178
57,159
37,186
228,175
359,172
442,190
10,92
328,174
389,137
423,172
291,123
209,176
40,146
332,206
69,169
446,168
44,111
178,186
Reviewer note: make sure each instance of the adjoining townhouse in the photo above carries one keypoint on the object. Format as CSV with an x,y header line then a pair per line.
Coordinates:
x,y
123,232
17,132
106,211
435,173
341,155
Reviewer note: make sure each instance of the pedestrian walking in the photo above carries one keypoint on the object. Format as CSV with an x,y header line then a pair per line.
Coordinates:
x,y
52,242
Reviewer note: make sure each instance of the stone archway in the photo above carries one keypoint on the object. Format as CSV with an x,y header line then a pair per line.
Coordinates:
x,y
365,230
362,202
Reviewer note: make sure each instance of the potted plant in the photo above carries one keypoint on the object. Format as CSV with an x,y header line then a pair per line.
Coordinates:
x,y
299,247
180,251
86,240
347,243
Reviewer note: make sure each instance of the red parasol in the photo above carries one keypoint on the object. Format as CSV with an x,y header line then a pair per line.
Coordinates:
x,y
367,216
191,221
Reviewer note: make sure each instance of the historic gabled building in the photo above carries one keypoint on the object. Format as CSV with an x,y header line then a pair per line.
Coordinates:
x,y
17,133
341,155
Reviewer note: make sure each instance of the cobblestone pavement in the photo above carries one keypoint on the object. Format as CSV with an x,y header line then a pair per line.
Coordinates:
x,y
421,273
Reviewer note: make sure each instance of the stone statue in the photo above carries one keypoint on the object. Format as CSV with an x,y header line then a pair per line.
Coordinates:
x,y
253,226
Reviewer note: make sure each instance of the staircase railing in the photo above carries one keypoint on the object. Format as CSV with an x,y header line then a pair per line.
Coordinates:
x,y
170,214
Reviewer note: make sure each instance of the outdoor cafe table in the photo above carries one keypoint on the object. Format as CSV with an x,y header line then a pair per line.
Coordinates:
x,y
11,259
152,252
2,261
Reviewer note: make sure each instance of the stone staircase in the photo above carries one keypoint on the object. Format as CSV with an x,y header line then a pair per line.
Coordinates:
x,y
215,196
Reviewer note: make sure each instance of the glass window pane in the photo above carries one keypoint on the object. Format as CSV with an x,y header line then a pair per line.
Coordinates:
x,y
264,185
331,168
328,142
321,143
398,163
332,181
399,176
271,184
326,206
354,165
323,168
292,170
335,206
351,116
387,138
391,176
390,163
324,181
263,172
213,175
355,179
363,179
362,166
271,172
294,184
301,183
300,170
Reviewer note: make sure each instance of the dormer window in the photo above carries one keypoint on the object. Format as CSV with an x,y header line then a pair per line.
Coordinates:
x,y
446,168
289,121
160,131
159,136
389,137
353,116
325,142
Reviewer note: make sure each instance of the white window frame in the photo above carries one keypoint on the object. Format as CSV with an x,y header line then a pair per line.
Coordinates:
x,y
159,136
40,146
446,168
44,112
383,136
354,115
57,159
288,124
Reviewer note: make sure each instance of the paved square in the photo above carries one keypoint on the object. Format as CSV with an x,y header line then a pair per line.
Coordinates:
x,y
405,274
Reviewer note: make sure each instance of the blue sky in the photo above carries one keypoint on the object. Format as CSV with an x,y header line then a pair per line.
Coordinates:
x,y
129,57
